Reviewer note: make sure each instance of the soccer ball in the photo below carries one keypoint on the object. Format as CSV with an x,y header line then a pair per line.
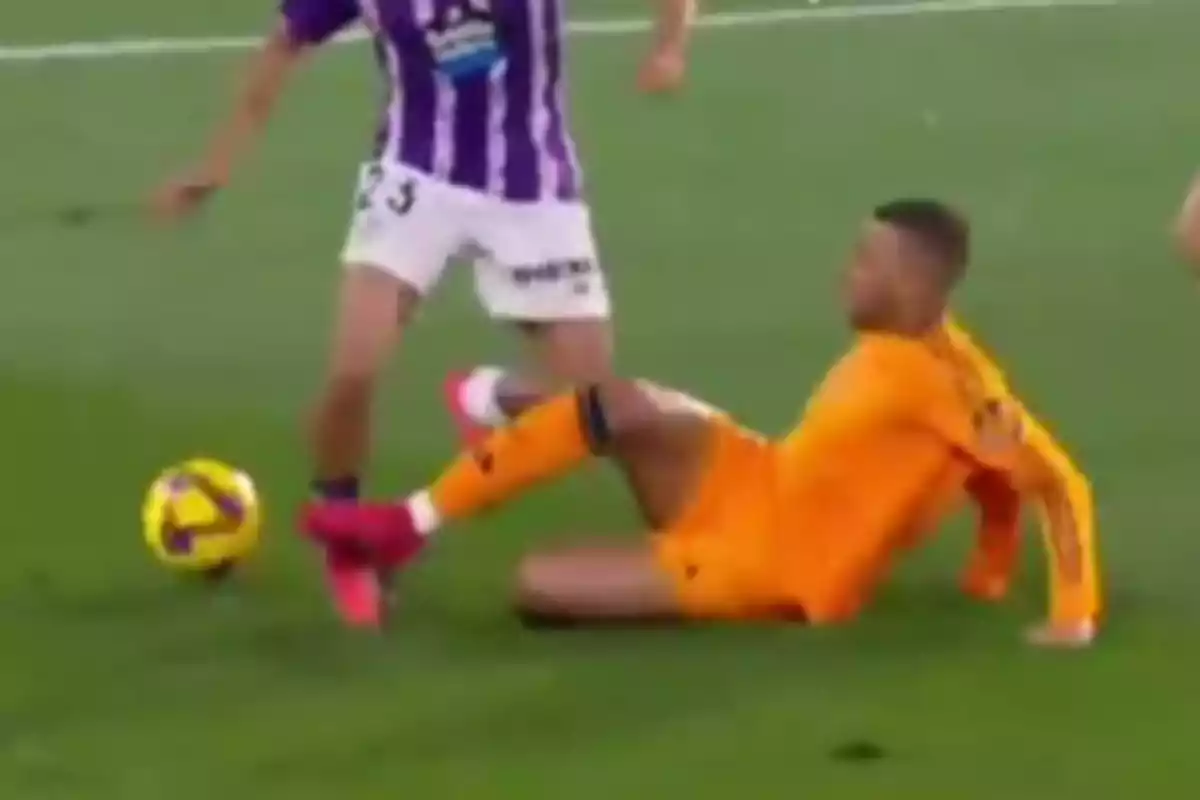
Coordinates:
x,y
202,516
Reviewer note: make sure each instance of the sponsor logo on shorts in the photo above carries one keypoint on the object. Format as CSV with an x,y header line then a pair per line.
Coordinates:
x,y
577,270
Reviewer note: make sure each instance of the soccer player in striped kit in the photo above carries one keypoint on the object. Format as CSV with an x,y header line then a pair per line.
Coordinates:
x,y
473,157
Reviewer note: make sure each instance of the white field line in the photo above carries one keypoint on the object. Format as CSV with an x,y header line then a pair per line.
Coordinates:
x,y
120,48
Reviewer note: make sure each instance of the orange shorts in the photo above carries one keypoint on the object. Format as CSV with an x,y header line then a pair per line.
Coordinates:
x,y
720,552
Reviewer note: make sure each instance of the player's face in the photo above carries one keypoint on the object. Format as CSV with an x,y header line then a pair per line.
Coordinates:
x,y
874,277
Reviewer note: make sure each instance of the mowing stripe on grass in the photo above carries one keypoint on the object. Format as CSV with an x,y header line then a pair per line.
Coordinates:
x,y
121,48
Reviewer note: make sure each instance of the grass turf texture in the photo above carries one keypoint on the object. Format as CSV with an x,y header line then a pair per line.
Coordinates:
x,y
1067,134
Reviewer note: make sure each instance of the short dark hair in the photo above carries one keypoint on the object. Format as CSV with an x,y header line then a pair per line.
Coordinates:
x,y
938,228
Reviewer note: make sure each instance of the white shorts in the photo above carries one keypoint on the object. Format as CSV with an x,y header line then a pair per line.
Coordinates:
x,y
533,261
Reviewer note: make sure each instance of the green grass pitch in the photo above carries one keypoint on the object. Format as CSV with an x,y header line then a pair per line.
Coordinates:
x,y
1069,134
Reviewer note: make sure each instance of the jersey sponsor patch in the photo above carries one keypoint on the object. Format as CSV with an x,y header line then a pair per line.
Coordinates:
x,y
465,41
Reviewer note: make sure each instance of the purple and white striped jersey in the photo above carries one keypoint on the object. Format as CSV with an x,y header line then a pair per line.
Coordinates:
x,y
476,88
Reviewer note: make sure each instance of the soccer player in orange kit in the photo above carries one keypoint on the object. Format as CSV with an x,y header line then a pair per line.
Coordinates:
x,y
912,420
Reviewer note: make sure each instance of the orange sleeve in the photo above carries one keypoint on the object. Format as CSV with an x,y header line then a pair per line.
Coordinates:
x,y
1063,495
977,417
986,435
1023,463
1037,470
998,539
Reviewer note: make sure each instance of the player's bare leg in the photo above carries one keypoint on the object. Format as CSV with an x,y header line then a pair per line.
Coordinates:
x,y
597,584
572,352
661,443
1187,226
664,439
660,439
373,310
563,353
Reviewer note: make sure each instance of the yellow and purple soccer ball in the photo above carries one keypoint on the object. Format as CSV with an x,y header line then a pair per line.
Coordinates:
x,y
202,516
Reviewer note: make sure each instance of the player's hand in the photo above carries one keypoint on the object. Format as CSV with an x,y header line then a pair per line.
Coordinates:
x,y
1062,636
985,584
185,194
663,71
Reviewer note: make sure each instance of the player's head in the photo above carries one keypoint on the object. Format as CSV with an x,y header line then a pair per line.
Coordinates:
x,y
908,259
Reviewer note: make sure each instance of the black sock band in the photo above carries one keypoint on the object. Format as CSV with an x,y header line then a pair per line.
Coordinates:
x,y
593,419
337,488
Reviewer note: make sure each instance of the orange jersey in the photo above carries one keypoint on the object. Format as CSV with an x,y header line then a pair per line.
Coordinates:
x,y
896,435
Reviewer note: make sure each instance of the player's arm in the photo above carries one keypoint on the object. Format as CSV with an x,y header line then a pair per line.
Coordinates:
x,y
1047,477
1005,440
1011,447
665,67
993,560
673,26
303,24
1187,226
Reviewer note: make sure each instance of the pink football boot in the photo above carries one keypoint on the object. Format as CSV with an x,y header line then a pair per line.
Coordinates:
x,y
470,432
354,585
365,543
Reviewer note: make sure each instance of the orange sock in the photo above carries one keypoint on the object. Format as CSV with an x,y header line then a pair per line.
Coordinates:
x,y
543,443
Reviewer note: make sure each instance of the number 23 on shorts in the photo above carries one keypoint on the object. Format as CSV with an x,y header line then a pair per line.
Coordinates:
x,y
374,191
